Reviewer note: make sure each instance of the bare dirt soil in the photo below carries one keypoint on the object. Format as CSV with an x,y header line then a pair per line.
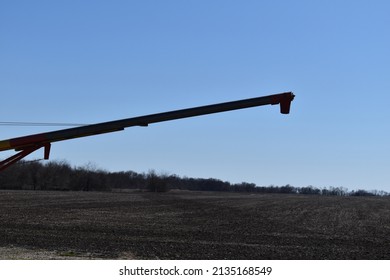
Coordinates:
x,y
191,225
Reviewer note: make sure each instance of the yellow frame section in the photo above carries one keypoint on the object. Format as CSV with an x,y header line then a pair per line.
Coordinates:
x,y
5,145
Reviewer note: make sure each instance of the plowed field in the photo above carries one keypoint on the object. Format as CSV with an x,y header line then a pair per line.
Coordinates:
x,y
191,225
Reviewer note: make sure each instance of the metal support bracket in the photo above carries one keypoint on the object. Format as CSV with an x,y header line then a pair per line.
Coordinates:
x,y
47,151
13,159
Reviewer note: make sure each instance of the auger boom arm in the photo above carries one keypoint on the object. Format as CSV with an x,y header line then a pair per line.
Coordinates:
x,y
28,144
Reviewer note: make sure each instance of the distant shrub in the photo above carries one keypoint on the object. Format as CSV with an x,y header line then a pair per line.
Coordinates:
x,y
309,190
361,193
157,183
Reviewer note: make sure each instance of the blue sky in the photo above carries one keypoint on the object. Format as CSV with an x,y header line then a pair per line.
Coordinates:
x,y
93,61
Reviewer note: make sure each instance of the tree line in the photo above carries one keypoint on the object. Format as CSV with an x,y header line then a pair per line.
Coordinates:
x,y
60,175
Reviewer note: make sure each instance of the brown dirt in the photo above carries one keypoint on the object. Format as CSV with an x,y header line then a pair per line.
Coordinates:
x,y
191,225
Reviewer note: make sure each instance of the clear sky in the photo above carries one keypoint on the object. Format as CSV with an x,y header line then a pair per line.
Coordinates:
x,y
93,61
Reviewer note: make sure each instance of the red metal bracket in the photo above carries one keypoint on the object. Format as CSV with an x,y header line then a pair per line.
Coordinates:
x,y
47,151
13,159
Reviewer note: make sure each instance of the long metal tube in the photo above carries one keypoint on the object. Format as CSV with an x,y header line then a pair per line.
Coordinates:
x,y
41,139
